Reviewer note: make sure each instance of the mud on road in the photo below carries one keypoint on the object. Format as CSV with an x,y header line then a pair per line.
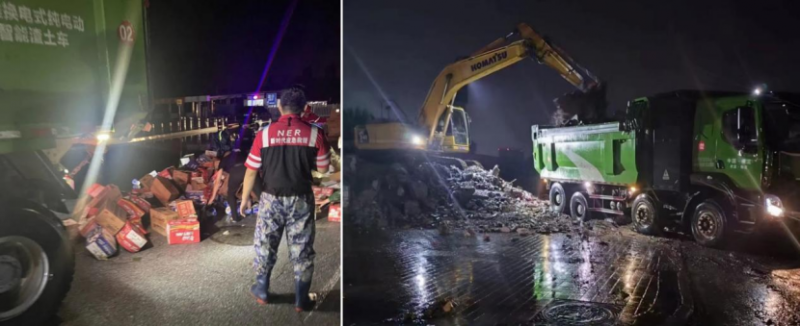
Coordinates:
x,y
598,273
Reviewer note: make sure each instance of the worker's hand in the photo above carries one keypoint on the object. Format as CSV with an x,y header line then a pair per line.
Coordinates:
x,y
244,206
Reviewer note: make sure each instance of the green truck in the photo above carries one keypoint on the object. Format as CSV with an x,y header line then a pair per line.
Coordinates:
x,y
715,163
68,71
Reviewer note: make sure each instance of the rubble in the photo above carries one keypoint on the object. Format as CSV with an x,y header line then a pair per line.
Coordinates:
x,y
435,195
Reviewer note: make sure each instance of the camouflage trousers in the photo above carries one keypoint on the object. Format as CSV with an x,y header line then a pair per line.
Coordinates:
x,y
296,215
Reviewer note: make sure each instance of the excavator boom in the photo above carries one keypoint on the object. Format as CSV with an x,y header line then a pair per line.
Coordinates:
x,y
492,58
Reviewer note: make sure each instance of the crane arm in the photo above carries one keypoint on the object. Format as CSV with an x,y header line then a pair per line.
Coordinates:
x,y
492,58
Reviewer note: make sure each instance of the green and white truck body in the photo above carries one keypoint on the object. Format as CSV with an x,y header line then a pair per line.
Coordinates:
x,y
716,162
68,70
64,63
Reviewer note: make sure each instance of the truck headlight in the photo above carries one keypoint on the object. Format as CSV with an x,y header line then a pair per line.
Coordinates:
x,y
773,205
417,140
103,136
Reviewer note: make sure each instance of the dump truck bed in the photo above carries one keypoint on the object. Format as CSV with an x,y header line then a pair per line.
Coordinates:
x,y
599,153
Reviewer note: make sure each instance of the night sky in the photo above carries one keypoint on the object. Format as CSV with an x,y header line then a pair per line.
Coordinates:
x,y
221,47
638,47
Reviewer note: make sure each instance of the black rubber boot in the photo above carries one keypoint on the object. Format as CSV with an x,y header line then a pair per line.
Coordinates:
x,y
260,288
302,299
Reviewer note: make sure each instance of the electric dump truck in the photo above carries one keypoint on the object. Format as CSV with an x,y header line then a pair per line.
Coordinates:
x,y
68,69
715,163
443,127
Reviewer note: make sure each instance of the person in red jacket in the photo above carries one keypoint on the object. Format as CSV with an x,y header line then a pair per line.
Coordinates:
x,y
308,115
286,152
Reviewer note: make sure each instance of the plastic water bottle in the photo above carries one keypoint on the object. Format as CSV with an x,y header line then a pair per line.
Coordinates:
x,y
253,210
227,209
136,184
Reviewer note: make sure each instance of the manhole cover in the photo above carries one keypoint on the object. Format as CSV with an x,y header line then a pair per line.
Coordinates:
x,y
235,235
568,312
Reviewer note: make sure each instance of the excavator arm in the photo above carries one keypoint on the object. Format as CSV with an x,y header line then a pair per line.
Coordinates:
x,y
492,58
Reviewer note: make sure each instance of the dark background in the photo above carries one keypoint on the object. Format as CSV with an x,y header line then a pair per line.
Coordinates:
x,y
221,47
638,47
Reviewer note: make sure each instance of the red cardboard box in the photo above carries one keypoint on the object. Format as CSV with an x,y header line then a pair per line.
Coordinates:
x,y
108,193
139,201
112,217
164,190
335,213
183,231
95,190
133,210
185,209
131,238
166,173
159,219
321,193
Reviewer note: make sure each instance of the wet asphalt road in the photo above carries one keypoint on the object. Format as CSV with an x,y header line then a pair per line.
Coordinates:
x,y
607,275
198,284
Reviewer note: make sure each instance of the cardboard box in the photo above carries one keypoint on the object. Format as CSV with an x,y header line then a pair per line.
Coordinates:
x,y
320,193
185,209
112,217
139,201
87,228
166,173
195,195
109,193
160,217
95,190
181,178
198,183
101,244
335,213
147,182
164,190
183,231
133,210
131,238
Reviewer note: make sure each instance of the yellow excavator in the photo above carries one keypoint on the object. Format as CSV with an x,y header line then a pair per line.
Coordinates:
x,y
444,127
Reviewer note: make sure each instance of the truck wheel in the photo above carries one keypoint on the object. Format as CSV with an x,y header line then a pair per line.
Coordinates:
x,y
644,215
558,198
36,266
709,225
578,207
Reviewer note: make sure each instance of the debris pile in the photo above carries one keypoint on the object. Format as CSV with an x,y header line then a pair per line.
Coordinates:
x,y
445,196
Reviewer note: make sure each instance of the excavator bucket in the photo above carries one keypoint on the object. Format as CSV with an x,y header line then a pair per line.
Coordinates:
x,y
578,107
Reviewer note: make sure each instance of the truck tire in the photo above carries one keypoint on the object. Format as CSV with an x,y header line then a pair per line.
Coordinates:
x,y
558,198
579,207
645,216
33,242
709,224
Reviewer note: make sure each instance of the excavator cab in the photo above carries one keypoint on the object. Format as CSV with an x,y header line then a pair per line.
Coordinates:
x,y
456,139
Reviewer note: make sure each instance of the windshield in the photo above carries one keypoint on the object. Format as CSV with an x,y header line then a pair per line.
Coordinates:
x,y
782,125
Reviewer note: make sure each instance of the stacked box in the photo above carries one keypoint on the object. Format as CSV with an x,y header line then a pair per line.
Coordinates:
x,y
159,219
